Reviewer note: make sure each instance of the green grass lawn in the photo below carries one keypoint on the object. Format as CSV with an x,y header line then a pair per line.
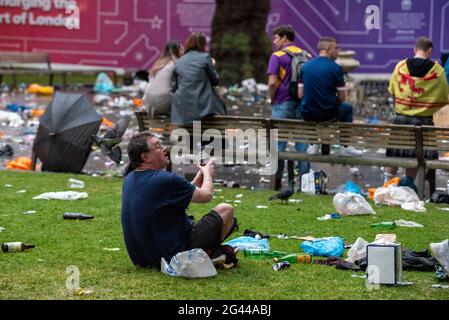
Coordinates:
x,y
41,272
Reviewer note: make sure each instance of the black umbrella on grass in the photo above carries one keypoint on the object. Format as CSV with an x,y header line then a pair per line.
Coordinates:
x,y
63,141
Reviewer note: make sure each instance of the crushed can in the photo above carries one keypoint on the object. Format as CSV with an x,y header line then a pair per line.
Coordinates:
x,y
280,266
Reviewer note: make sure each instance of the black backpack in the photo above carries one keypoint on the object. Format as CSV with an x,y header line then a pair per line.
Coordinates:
x,y
298,59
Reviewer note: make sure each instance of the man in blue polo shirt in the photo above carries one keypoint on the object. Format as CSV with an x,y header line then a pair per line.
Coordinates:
x,y
322,89
284,106
154,204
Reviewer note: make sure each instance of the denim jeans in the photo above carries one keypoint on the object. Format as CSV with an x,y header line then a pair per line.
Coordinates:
x,y
289,110
344,115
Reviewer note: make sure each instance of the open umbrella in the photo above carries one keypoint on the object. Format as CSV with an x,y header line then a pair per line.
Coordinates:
x,y
63,140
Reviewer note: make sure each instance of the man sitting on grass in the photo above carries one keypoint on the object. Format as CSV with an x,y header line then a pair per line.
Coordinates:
x,y
154,201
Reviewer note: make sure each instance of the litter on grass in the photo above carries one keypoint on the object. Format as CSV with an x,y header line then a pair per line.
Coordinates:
x,y
83,292
76,184
248,243
63,195
410,224
440,286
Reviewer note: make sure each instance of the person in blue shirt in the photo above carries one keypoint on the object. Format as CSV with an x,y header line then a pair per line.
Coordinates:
x,y
154,203
322,89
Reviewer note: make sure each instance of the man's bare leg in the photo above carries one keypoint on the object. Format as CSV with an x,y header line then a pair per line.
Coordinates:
x,y
226,213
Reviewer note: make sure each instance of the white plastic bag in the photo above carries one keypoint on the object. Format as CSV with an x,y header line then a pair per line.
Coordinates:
x,y
348,204
63,195
357,251
395,196
416,206
194,263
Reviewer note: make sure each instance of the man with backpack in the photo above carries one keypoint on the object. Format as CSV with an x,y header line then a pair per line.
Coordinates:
x,y
283,69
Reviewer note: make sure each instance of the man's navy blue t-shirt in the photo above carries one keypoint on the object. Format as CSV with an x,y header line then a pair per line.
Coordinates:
x,y
322,78
154,221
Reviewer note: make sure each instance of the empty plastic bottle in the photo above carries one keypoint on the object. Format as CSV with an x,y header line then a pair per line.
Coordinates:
x,y
262,254
295,258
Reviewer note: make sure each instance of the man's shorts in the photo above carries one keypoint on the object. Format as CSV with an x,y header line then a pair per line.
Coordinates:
x,y
206,233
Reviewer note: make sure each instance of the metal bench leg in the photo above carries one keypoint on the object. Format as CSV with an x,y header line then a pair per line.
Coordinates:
x,y
290,171
64,81
421,181
14,81
431,177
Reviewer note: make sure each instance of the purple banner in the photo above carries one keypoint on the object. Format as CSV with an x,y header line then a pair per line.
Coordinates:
x,y
131,33
401,22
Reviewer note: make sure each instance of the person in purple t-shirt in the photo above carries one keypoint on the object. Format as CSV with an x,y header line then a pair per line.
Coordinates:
x,y
284,106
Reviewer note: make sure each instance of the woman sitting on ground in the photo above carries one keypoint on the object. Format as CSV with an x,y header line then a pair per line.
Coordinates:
x,y
157,98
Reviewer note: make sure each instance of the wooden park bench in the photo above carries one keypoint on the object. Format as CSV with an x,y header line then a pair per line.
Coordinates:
x,y
20,63
361,136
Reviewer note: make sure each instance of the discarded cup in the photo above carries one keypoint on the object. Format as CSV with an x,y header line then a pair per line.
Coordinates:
x,y
76,216
76,184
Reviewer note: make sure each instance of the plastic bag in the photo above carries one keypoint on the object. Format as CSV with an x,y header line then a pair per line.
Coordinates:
x,y
248,243
357,251
194,263
417,206
103,84
348,204
63,195
326,247
353,187
395,196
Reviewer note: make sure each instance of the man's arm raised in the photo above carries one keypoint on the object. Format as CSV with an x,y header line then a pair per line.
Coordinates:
x,y
203,194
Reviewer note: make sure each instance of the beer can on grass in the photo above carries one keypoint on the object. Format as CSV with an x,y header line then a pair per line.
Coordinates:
x,y
280,266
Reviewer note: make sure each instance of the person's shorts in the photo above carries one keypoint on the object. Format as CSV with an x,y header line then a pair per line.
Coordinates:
x,y
206,233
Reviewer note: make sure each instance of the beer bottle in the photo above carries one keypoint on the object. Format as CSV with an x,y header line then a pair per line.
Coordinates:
x,y
262,254
384,225
295,258
76,216
11,247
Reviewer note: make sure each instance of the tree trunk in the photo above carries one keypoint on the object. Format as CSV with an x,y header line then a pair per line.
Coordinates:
x,y
239,41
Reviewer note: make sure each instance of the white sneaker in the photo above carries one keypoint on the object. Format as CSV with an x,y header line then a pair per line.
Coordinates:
x,y
314,149
350,151
441,253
